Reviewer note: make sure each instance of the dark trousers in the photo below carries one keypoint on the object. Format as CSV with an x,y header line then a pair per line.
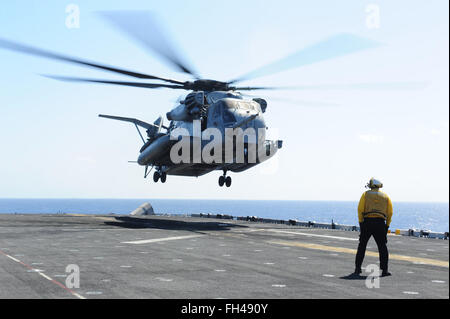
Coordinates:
x,y
375,227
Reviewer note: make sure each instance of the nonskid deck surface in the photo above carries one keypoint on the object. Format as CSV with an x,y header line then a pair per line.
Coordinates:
x,y
186,257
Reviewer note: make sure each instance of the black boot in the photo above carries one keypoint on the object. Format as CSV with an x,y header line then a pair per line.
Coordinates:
x,y
385,273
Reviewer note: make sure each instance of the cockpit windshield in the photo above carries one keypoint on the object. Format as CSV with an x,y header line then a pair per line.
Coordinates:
x,y
213,97
228,116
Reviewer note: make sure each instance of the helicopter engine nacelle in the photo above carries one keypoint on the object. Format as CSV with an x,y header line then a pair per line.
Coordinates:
x,y
190,109
180,113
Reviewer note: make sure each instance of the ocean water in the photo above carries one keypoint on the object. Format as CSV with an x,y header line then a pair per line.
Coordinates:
x,y
427,216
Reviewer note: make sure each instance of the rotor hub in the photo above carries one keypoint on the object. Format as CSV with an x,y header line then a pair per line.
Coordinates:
x,y
207,85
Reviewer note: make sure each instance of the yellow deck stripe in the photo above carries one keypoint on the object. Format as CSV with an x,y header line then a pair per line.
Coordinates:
x,y
107,218
427,261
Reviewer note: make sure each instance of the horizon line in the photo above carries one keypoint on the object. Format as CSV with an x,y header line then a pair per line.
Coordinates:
x,y
212,199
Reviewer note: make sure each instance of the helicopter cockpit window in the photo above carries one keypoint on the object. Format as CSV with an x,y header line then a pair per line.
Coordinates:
x,y
216,113
213,97
228,116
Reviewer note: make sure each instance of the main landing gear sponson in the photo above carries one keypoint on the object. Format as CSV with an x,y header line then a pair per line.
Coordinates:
x,y
159,176
224,179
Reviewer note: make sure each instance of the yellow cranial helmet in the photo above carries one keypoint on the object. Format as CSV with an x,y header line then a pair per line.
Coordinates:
x,y
374,183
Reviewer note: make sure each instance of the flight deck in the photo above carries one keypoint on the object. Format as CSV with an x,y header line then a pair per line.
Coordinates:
x,y
192,257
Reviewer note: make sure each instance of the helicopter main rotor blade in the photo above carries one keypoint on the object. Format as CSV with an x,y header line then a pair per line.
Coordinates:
x,y
18,47
123,83
143,27
333,47
349,86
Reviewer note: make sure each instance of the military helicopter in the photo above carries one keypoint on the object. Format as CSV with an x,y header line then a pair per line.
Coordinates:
x,y
211,104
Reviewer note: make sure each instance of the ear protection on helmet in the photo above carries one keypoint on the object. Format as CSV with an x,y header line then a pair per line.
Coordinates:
x,y
374,183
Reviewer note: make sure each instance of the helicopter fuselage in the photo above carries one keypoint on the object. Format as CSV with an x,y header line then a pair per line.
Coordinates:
x,y
207,123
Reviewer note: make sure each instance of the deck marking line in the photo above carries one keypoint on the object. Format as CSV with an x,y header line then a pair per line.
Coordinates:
x,y
433,262
10,257
44,276
312,235
155,240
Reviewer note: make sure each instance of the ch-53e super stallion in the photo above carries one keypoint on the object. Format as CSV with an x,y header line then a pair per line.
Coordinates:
x,y
211,109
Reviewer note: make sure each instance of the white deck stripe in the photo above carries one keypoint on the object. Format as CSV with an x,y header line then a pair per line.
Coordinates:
x,y
78,295
11,257
44,275
312,235
155,240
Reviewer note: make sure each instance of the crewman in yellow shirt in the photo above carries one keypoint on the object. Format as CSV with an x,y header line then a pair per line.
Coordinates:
x,y
374,214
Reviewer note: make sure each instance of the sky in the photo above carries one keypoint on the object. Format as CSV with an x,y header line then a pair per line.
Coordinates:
x,y
53,145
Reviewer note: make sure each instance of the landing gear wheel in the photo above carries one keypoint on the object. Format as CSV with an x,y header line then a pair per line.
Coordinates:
x,y
221,181
156,177
163,177
228,181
